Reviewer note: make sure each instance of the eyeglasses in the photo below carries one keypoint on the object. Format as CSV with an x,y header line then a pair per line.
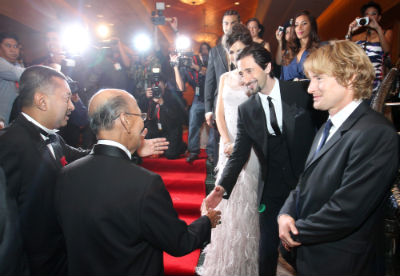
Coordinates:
x,y
142,115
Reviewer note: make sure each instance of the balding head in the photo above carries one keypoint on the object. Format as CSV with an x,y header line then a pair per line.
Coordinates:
x,y
106,105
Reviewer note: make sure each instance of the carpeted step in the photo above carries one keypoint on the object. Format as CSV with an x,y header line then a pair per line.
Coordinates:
x,y
186,185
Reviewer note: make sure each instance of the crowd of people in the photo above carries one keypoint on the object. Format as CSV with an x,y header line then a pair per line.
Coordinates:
x,y
303,165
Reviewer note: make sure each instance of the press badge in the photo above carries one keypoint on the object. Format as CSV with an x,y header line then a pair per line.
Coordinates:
x,y
159,126
197,92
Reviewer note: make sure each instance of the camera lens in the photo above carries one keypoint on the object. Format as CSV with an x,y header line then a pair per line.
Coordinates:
x,y
363,21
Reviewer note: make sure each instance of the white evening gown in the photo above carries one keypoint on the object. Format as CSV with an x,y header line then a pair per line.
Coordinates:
x,y
234,243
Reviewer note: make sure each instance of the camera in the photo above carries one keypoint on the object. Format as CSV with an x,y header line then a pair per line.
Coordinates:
x,y
157,16
363,21
281,29
155,82
185,59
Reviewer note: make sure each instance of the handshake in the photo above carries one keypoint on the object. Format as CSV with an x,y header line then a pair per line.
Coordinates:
x,y
210,202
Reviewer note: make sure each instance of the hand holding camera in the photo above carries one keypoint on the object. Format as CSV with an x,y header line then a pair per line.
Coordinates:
x,y
279,34
149,93
363,21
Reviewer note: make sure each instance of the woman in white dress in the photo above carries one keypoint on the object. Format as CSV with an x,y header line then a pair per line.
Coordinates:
x,y
234,244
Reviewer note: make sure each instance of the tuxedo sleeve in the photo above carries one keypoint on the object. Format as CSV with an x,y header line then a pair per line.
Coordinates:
x,y
370,169
71,153
289,207
163,229
238,158
210,83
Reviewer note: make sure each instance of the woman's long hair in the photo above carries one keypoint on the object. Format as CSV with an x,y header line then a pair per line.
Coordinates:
x,y
294,43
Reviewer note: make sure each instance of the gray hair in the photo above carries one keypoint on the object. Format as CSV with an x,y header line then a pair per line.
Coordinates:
x,y
103,118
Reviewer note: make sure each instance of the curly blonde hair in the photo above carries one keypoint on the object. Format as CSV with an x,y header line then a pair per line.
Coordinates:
x,y
347,63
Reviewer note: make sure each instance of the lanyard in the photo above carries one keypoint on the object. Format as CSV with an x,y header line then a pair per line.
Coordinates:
x,y
196,73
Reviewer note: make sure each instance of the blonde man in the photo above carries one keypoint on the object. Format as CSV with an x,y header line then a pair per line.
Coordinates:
x,y
334,218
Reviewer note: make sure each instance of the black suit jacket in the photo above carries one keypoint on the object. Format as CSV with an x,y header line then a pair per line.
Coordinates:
x,y
299,127
338,203
217,65
31,172
12,259
118,218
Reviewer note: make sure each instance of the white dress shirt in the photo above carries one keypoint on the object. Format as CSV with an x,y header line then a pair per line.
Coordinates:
x,y
49,131
115,144
340,117
275,95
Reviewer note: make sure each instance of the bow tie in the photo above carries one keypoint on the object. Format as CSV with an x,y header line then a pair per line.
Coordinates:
x,y
51,137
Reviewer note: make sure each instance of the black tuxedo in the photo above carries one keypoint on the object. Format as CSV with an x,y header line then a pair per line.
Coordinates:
x,y
12,259
31,172
338,203
299,127
217,65
118,218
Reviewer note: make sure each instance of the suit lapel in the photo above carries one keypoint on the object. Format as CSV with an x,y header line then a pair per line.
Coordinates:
x,y
314,145
259,112
40,145
111,151
350,121
288,114
222,55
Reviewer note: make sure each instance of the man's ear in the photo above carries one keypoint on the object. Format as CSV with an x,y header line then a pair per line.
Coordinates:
x,y
40,100
125,122
268,68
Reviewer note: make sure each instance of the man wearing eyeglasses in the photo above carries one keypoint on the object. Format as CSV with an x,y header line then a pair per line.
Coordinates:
x,y
32,155
10,72
122,217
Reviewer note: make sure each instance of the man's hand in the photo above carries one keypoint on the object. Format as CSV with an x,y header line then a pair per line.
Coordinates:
x,y
149,93
215,197
203,71
173,21
173,57
152,146
160,101
209,119
214,216
286,225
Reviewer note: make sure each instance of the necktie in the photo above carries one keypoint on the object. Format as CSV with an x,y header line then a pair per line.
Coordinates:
x,y
272,117
325,135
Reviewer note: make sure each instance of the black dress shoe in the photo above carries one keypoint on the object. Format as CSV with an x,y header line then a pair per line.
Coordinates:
x,y
192,157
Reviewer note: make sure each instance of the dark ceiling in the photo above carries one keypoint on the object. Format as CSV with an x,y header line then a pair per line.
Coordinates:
x,y
132,16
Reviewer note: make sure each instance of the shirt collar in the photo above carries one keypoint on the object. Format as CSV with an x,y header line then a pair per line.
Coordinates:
x,y
339,118
36,123
115,144
275,92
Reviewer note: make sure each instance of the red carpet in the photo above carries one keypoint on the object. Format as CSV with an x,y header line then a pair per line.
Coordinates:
x,y
186,184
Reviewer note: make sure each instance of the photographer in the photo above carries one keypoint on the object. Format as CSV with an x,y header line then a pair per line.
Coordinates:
x,y
76,133
165,114
193,70
375,41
